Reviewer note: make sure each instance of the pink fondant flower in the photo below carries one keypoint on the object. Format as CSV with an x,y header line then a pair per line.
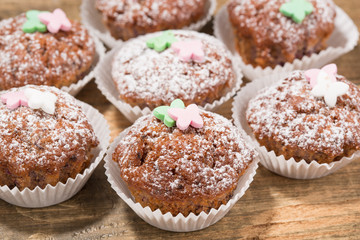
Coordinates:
x,y
329,70
189,50
14,100
55,21
185,117
324,84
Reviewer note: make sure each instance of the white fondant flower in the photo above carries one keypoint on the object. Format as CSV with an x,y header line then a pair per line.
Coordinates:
x,y
327,88
41,100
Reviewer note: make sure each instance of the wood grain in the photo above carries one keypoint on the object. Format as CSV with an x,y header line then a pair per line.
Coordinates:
x,y
273,208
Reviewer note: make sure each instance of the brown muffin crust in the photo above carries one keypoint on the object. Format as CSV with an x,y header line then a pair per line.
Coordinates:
x,y
183,171
146,78
37,148
127,19
265,37
43,58
287,119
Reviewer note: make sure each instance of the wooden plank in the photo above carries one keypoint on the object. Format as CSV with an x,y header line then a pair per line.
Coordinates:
x,y
273,208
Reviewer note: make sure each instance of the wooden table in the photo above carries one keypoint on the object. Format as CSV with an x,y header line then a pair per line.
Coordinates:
x,y
273,208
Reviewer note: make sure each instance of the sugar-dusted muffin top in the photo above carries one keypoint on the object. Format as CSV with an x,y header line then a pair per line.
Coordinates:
x,y
276,34
147,78
175,165
43,58
37,148
149,15
288,119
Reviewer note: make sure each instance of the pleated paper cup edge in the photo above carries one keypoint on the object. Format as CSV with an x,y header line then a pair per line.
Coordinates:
x,y
154,218
74,88
73,183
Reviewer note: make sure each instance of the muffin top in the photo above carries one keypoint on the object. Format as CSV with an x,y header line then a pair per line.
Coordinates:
x,y
149,12
56,59
148,78
262,21
290,114
173,164
33,140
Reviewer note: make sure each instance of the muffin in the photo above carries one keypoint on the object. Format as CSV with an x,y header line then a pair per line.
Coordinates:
x,y
266,36
150,76
127,19
43,58
183,171
45,137
302,118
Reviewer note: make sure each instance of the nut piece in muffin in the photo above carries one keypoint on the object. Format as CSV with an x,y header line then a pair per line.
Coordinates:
x,y
317,120
264,36
45,138
43,58
183,171
127,19
148,77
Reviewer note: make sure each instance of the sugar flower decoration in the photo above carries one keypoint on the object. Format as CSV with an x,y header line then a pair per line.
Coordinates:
x,y
55,21
162,42
41,100
312,74
162,112
324,84
14,100
297,10
189,50
33,23
186,117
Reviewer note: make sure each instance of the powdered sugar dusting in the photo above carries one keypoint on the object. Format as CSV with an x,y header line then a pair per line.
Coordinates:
x,y
288,113
175,164
32,139
143,73
43,58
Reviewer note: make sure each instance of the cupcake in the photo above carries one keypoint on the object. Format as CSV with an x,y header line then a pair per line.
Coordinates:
x,y
128,19
305,124
46,138
44,48
156,69
271,33
315,121
191,166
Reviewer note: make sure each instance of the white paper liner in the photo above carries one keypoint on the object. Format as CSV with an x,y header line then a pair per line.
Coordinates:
x,y
167,221
75,88
52,195
108,88
343,39
278,164
92,19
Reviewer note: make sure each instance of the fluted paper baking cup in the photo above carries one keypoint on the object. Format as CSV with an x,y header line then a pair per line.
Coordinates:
x,y
92,19
343,39
108,87
167,221
278,164
52,195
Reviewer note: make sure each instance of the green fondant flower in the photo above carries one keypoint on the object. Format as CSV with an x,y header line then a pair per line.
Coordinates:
x,y
162,112
297,10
